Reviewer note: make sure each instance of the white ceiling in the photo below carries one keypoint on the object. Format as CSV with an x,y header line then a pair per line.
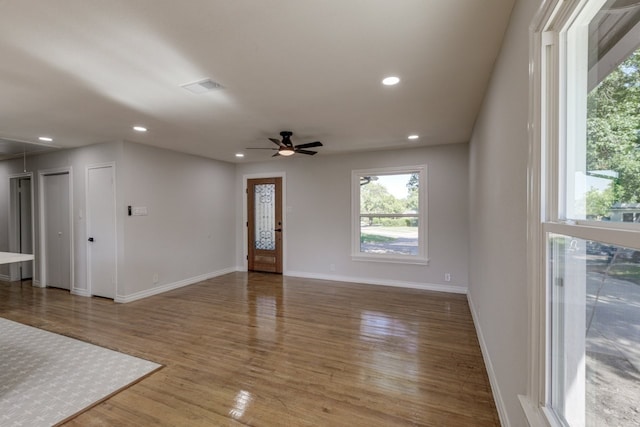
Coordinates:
x,y
86,71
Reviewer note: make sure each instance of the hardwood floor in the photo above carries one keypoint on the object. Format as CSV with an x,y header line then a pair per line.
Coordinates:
x,y
266,350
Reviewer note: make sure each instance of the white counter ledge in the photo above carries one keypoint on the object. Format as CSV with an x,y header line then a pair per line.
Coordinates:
x,y
9,257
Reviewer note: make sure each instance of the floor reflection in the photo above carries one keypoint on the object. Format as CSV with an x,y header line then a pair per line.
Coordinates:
x,y
265,306
388,337
243,398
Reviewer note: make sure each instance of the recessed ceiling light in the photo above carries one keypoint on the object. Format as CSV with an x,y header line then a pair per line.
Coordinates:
x,y
45,139
239,155
390,81
140,128
413,137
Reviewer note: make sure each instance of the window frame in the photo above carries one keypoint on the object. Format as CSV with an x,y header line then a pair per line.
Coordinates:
x,y
356,253
557,71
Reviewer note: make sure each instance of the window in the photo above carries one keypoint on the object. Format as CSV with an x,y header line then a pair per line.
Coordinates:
x,y
602,166
595,332
389,215
584,246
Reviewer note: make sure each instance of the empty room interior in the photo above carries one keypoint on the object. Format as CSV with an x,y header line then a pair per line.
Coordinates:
x,y
322,213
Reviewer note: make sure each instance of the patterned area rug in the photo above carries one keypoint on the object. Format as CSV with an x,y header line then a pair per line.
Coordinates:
x,y
47,378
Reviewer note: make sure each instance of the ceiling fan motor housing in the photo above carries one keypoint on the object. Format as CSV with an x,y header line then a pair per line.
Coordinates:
x,y
286,138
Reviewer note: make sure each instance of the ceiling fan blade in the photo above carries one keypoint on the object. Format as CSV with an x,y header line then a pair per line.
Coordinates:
x,y
311,153
256,148
276,155
310,145
277,142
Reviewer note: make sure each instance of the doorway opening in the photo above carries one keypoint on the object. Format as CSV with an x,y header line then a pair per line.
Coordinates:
x,y
21,224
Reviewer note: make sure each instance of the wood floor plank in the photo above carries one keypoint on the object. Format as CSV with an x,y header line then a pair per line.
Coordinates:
x,y
266,350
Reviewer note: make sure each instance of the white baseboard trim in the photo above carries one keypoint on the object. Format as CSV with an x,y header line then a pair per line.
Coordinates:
x,y
380,282
495,389
81,292
5,278
171,286
36,283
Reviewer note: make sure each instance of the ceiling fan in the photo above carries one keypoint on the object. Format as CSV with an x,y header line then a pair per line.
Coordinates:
x,y
286,147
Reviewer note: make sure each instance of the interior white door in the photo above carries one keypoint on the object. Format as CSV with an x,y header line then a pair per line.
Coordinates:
x,y
57,230
101,231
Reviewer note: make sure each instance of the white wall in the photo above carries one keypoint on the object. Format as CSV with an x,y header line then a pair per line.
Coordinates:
x,y
317,229
189,232
497,218
188,235
194,227
77,159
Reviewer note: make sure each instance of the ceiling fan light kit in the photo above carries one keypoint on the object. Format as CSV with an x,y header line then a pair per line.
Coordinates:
x,y
286,151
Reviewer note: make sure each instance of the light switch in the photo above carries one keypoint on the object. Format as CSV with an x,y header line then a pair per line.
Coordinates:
x,y
139,211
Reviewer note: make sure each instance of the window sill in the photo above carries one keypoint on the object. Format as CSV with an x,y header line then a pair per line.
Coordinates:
x,y
536,416
390,259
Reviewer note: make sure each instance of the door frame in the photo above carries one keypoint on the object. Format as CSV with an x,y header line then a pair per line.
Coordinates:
x,y
245,218
42,232
111,165
14,231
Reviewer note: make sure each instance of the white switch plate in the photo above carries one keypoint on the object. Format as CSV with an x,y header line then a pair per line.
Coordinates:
x,y
139,211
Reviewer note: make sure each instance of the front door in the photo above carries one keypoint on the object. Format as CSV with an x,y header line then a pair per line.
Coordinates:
x,y
264,202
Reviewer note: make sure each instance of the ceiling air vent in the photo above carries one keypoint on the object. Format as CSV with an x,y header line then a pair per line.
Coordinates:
x,y
202,86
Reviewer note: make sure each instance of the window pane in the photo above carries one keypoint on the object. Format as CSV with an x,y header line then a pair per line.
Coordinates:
x,y
595,329
389,208
389,235
607,171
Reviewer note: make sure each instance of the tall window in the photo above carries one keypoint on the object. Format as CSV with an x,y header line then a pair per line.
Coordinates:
x,y
389,214
586,262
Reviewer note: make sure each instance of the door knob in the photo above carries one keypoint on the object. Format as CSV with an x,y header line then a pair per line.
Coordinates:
x,y
278,229
91,239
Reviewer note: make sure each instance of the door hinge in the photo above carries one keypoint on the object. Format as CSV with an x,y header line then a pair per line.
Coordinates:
x,y
247,223
246,190
247,257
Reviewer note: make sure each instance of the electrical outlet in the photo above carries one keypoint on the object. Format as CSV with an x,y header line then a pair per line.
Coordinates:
x,y
447,277
332,267
155,278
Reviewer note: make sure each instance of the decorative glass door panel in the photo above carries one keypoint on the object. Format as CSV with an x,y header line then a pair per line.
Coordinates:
x,y
264,203
264,216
